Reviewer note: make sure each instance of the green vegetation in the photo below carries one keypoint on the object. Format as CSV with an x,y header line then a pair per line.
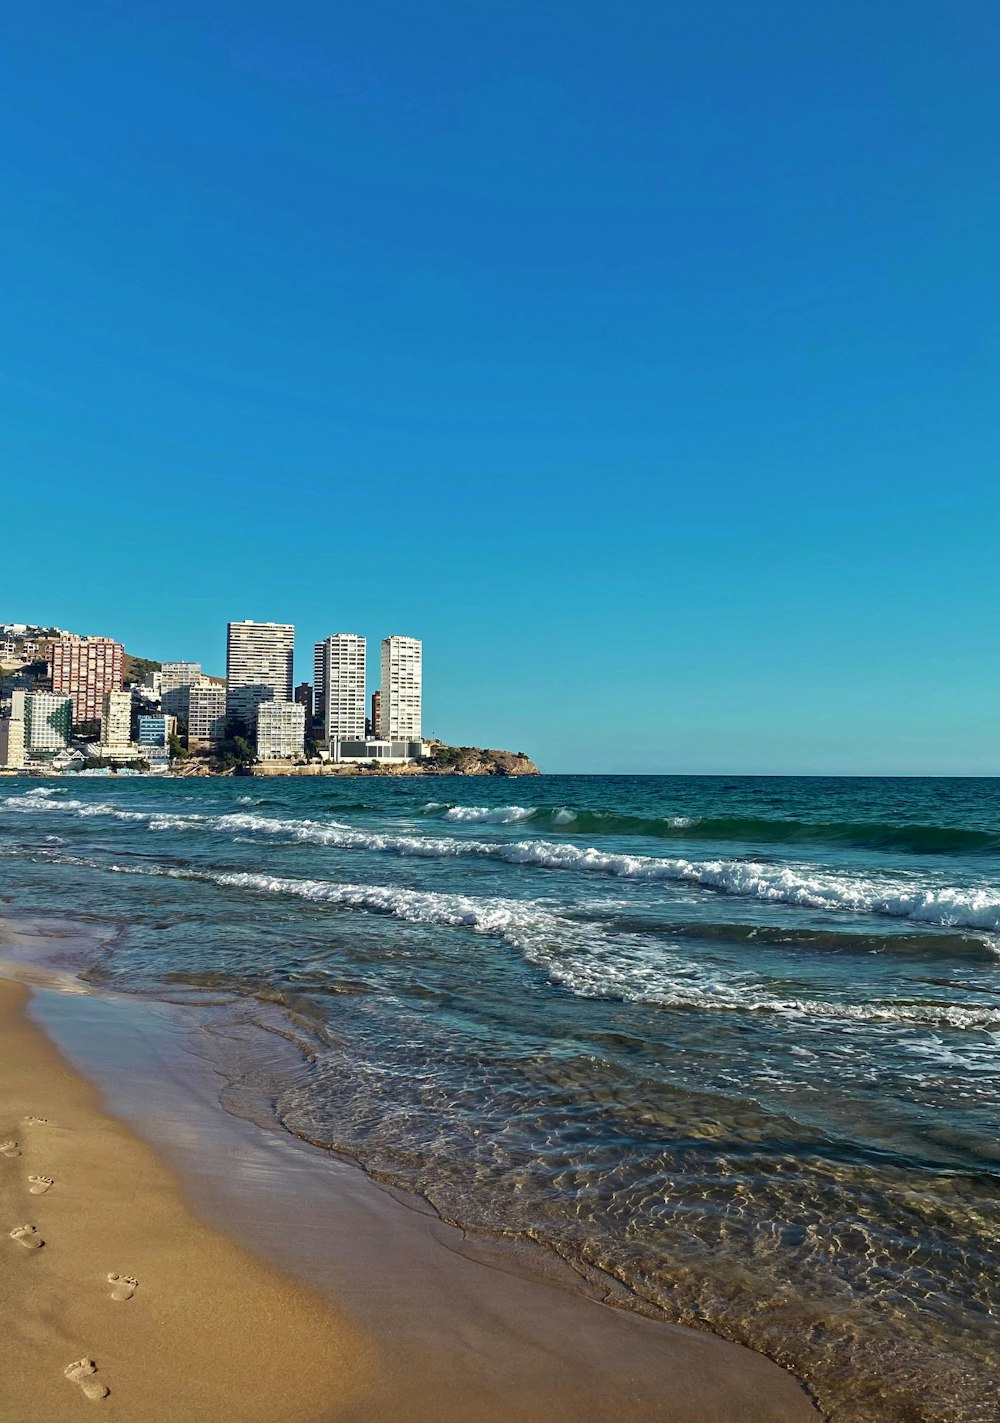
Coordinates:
x,y
138,667
234,754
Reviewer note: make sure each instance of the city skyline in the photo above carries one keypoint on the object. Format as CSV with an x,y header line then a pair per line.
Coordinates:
x,y
164,712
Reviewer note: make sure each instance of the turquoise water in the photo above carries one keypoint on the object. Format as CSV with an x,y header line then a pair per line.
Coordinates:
x,y
732,1042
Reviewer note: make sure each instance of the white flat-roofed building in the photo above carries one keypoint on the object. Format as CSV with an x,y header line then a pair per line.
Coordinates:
x,y
206,714
48,720
281,731
116,719
176,681
373,749
401,696
339,663
258,668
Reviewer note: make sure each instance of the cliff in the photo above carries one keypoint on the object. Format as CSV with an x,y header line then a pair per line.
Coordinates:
x,y
475,761
443,761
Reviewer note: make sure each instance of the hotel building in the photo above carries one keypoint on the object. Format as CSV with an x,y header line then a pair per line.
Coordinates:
x,y
176,681
402,678
84,668
339,664
258,668
281,730
206,714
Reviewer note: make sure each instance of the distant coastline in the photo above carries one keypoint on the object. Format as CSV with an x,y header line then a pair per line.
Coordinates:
x,y
443,761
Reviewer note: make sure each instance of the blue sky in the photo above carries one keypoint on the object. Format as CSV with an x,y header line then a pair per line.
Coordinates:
x,y
642,359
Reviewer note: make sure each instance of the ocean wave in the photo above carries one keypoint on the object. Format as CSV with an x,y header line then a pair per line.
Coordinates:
x,y
640,976
932,943
946,905
874,835
488,814
41,798
518,923
804,887
587,961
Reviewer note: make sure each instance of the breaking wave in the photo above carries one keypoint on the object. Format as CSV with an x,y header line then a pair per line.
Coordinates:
x,y
874,835
585,960
947,906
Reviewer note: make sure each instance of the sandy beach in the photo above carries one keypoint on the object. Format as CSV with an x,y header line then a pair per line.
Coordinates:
x,y
350,1303
193,1327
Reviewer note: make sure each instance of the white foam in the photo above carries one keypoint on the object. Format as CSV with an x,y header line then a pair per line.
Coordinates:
x,y
40,799
643,972
589,962
520,924
489,814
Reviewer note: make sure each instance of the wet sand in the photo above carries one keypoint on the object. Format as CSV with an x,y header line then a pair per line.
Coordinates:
x,y
276,1281
193,1327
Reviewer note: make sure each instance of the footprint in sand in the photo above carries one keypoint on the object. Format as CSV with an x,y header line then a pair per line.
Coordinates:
x,y
39,1185
82,1372
38,1121
125,1286
9,1148
27,1236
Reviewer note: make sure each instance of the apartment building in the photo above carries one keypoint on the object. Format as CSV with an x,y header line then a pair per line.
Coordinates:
x,y
156,731
402,689
116,719
258,668
47,718
206,714
84,668
176,681
340,660
13,752
281,730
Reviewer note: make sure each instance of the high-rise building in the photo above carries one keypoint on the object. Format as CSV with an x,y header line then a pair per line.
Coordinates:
x,y
376,716
176,681
12,747
258,668
341,659
116,719
84,668
402,676
319,686
281,730
48,720
206,714
304,697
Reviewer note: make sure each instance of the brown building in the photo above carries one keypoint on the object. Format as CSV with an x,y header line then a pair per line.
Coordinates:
x,y
373,725
84,668
304,697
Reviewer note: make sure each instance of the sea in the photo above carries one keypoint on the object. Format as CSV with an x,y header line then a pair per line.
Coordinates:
x,y
729,1044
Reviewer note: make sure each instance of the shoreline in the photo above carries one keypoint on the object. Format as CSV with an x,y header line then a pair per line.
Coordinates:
x,y
418,1320
193,1325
